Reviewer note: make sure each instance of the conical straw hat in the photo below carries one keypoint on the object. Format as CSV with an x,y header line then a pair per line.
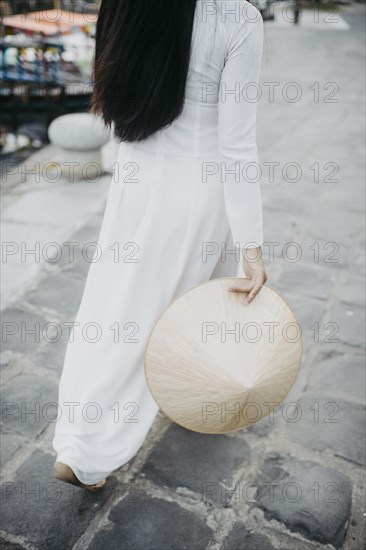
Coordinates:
x,y
214,365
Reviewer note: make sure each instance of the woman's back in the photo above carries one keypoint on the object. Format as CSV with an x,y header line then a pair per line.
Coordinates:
x,y
225,57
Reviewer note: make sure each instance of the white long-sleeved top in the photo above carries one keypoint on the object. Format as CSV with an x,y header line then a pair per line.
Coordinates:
x,y
239,94
218,122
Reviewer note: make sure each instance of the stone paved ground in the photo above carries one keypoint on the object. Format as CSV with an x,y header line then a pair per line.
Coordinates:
x,y
185,490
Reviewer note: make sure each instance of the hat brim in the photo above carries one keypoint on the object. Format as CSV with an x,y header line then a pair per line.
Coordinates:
x,y
216,366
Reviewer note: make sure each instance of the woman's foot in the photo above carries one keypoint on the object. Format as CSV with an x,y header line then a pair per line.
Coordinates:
x,y
65,473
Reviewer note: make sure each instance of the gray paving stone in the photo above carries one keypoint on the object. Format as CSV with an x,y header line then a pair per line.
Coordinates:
x,y
51,354
9,443
283,203
308,312
7,357
203,463
328,422
48,513
150,523
263,427
308,498
75,258
26,404
6,545
240,538
340,372
89,232
328,227
357,260
20,322
60,293
278,229
351,323
352,291
78,267
311,281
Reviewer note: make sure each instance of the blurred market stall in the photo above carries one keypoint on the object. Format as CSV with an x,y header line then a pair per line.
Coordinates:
x,y
45,67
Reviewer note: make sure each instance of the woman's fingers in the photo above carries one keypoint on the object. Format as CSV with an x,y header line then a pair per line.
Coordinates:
x,y
253,293
251,288
246,287
255,272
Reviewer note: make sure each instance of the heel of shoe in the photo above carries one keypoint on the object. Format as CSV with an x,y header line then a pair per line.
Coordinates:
x,y
63,472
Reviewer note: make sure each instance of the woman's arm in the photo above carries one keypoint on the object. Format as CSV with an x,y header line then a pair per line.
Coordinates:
x,y
238,98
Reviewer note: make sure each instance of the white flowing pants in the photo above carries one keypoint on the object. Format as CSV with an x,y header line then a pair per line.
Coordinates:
x,y
163,232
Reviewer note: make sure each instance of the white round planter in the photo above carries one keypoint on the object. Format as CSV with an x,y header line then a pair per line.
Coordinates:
x,y
79,137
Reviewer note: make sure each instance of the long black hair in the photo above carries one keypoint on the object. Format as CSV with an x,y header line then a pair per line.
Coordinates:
x,y
141,64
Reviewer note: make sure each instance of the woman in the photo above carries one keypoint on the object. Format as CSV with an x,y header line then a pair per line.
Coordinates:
x,y
175,80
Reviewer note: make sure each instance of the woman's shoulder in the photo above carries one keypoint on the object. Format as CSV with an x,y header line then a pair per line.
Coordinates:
x,y
231,9
240,21
231,14
231,23
235,7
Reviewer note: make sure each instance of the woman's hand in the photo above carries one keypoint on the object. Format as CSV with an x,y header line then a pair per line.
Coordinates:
x,y
255,272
